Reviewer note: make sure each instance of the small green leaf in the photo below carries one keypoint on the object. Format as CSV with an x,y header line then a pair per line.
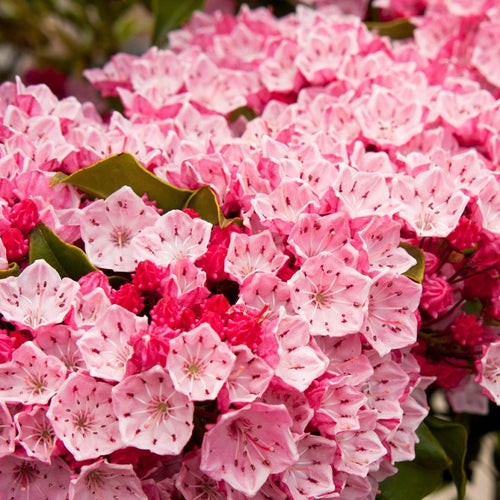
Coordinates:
x,y
396,29
169,15
107,176
453,438
245,111
204,202
416,272
411,482
68,260
13,270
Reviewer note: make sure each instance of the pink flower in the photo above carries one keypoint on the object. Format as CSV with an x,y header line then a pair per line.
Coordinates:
x,y
430,202
390,118
247,255
35,433
7,432
329,295
152,414
391,322
174,236
37,297
312,475
245,446
105,347
82,417
31,377
27,478
108,227
488,368
104,480
199,363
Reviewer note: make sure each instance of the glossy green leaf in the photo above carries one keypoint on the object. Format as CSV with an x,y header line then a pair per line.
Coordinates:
x,y
12,270
68,260
171,14
107,176
396,29
453,438
411,482
416,272
204,202
428,451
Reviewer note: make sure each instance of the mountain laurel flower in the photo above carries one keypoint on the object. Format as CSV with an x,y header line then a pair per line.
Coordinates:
x,y
199,363
37,297
152,414
245,446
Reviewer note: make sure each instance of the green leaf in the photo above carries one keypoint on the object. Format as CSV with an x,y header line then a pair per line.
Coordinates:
x,y
107,176
12,270
442,447
416,272
396,29
428,451
204,202
453,439
66,259
411,482
171,14
245,111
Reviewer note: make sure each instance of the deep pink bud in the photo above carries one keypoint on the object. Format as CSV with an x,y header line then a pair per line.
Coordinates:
x,y
465,235
24,215
128,297
148,276
16,245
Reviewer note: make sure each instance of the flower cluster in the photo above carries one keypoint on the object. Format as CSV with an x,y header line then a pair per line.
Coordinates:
x,y
274,354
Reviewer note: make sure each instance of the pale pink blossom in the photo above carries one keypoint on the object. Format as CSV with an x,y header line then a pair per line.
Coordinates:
x,y
199,363
152,414
245,446
105,347
37,297
83,418
391,322
7,431
247,255
312,475
35,433
488,368
23,478
108,227
329,295
104,480
174,236
31,377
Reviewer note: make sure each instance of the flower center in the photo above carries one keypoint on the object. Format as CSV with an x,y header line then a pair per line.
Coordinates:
x,y
121,236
